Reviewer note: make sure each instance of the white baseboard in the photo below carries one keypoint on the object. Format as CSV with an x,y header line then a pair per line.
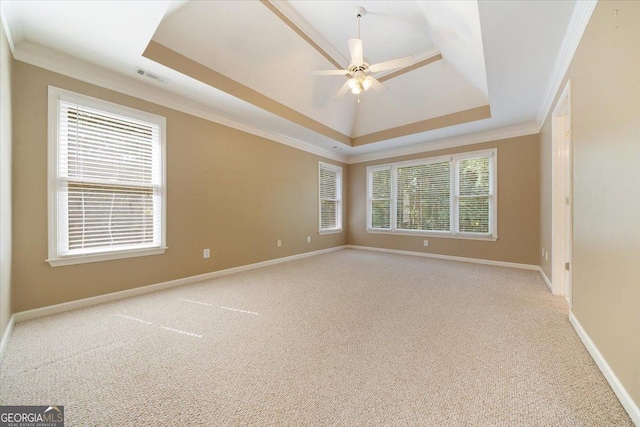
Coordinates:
x,y
6,335
629,405
449,257
100,299
545,278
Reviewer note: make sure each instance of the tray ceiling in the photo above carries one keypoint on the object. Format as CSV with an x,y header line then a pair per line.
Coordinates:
x,y
268,49
479,65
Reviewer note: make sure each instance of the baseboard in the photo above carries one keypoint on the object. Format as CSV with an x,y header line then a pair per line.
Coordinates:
x,y
449,257
100,299
545,278
629,405
6,336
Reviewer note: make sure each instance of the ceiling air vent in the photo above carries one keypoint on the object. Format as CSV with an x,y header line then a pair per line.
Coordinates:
x,y
151,75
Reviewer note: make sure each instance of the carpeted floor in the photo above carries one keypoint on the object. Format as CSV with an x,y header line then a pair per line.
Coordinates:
x,y
347,338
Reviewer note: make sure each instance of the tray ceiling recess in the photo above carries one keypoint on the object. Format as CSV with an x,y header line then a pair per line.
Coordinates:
x,y
265,53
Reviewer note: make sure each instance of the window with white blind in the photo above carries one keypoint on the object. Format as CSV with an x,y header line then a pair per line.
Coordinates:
x,y
450,196
423,196
106,180
473,194
330,178
380,197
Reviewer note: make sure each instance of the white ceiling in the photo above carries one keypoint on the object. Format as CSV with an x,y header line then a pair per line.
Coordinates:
x,y
500,53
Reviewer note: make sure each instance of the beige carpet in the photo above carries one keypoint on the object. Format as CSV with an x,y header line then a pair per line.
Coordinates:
x,y
347,338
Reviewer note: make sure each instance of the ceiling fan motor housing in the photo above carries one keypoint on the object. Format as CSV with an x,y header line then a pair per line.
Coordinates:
x,y
360,11
362,68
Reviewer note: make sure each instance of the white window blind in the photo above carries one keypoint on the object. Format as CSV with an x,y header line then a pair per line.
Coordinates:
x,y
380,198
445,196
473,196
330,197
109,183
424,197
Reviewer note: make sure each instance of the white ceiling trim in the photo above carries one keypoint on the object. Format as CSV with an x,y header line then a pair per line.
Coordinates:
x,y
426,54
578,22
70,66
457,141
305,27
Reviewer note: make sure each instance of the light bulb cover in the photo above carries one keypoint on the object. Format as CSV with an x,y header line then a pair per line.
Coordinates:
x,y
366,83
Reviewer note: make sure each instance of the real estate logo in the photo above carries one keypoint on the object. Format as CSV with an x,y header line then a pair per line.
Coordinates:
x,y
32,416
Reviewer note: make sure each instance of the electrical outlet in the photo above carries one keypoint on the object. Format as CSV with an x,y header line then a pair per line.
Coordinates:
x,y
546,256
279,243
206,253
425,242
308,239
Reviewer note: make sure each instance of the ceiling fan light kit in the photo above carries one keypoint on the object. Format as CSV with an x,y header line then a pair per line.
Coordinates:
x,y
359,67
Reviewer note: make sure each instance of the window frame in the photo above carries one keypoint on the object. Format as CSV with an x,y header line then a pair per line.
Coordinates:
x,y
454,225
55,258
338,170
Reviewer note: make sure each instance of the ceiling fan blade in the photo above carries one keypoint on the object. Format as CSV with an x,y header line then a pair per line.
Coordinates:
x,y
376,85
344,89
393,64
329,72
355,49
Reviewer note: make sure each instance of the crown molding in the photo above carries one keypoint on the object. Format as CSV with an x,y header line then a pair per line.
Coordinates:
x,y
457,141
12,27
578,22
70,66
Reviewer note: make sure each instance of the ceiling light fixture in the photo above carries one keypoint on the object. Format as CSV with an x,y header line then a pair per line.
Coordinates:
x,y
359,83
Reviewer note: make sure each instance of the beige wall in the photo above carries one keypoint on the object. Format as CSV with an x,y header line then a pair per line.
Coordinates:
x,y
518,207
606,173
227,190
6,63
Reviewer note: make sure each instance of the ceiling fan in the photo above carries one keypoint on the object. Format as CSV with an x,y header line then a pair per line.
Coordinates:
x,y
359,68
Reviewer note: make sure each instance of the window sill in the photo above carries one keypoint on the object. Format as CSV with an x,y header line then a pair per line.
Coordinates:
x,y
437,235
334,231
104,256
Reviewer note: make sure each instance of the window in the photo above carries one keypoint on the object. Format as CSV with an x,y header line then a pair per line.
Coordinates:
x,y
451,196
330,178
380,196
106,180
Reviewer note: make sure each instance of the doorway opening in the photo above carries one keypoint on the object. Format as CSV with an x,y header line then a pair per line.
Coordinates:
x,y
562,196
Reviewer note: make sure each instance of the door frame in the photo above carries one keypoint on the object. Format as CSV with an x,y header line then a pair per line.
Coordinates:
x,y
561,129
